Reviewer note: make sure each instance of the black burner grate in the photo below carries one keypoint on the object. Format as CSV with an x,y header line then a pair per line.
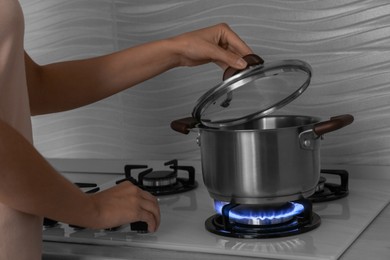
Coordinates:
x,y
331,191
162,182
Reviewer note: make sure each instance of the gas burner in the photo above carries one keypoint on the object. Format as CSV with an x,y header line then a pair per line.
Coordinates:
x,y
331,191
261,214
255,221
163,182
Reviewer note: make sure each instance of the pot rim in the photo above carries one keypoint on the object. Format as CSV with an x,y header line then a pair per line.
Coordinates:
x,y
313,120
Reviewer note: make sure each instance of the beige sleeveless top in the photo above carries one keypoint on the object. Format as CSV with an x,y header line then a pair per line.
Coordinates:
x,y
20,234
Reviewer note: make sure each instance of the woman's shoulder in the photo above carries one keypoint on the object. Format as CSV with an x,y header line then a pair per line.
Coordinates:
x,y
11,16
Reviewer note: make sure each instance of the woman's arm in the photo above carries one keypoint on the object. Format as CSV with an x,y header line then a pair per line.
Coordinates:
x,y
30,184
71,84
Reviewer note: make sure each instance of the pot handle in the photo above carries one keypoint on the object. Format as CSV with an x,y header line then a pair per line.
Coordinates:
x,y
184,125
251,59
332,124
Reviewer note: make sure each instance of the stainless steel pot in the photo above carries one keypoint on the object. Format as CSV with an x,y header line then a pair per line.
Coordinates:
x,y
270,160
248,156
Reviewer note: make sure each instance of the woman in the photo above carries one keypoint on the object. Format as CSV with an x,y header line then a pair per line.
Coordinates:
x,y
30,188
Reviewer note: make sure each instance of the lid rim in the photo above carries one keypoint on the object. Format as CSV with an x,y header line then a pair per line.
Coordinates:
x,y
241,79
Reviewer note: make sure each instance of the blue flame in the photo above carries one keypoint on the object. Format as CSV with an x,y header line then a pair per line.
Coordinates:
x,y
252,212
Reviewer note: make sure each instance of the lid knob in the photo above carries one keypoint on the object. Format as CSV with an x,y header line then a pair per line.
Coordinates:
x,y
251,60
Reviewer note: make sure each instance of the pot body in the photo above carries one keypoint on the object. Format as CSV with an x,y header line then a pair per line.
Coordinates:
x,y
262,161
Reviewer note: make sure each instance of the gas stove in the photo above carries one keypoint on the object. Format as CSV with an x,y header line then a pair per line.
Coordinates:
x,y
327,223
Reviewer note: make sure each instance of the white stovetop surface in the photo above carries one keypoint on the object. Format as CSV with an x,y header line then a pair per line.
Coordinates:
x,y
183,217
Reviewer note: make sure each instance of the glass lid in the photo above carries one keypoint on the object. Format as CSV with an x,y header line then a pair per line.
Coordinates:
x,y
253,93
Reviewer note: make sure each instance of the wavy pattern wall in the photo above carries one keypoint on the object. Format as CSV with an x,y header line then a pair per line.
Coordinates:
x,y
347,43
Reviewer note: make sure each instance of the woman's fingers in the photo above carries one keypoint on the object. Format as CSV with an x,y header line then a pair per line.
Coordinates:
x,y
218,43
150,205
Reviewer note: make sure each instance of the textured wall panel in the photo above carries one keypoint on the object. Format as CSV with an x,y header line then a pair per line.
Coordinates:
x,y
59,30
346,42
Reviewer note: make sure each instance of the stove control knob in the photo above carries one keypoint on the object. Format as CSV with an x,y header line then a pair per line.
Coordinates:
x,y
139,227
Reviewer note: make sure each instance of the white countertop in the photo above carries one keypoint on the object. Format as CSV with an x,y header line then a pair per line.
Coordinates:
x,y
373,243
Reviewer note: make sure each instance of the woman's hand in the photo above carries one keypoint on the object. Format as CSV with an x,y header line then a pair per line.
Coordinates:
x,y
126,203
218,44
